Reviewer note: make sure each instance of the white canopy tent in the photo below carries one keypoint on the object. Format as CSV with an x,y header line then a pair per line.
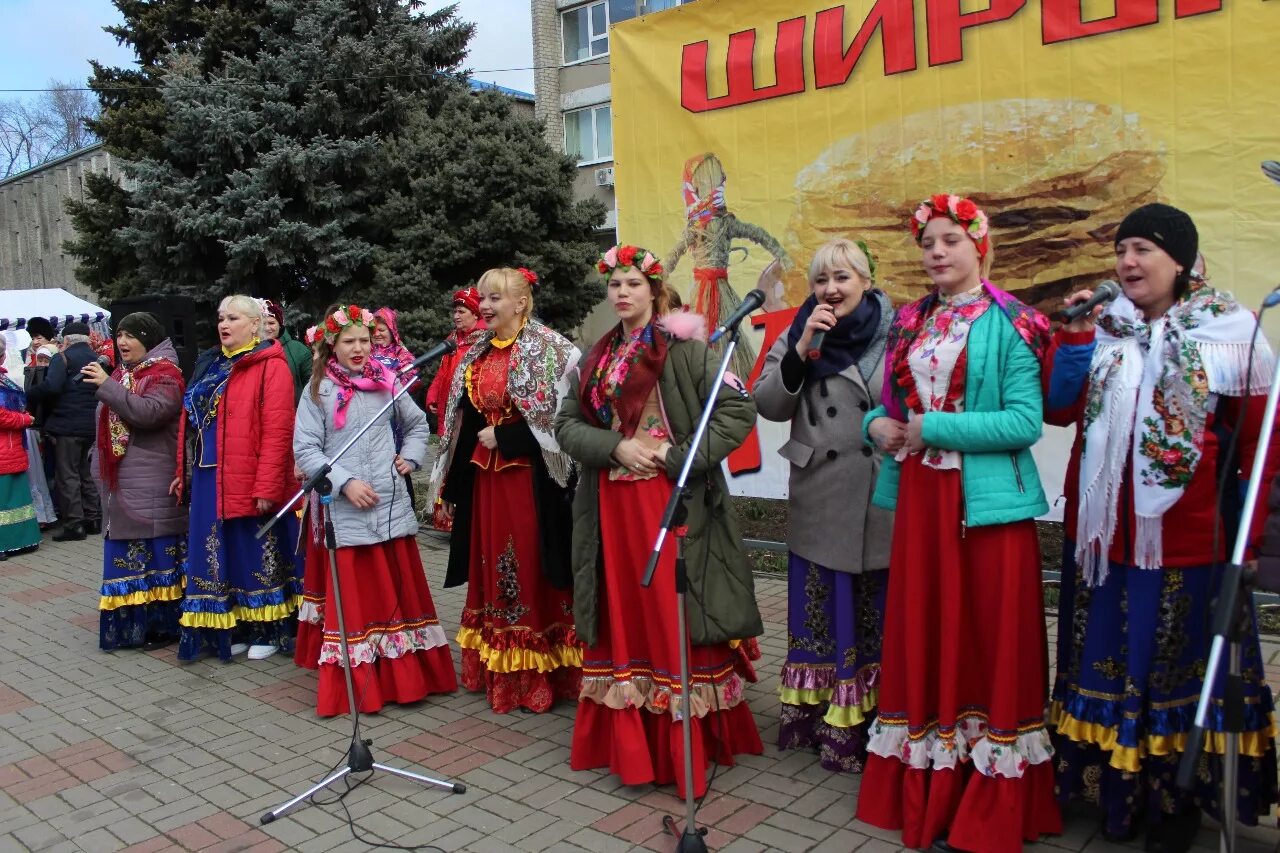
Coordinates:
x,y
56,305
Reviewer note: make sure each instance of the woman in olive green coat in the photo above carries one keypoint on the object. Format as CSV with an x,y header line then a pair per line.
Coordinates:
x,y
628,421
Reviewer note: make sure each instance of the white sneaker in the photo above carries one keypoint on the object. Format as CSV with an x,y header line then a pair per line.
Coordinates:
x,y
239,648
262,652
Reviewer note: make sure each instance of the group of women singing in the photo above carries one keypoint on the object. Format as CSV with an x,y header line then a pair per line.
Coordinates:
x,y
917,647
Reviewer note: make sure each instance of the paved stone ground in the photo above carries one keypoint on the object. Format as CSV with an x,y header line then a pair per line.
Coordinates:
x,y
103,752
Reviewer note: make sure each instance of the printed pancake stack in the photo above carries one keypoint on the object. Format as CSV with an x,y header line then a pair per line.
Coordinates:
x,y
1057,176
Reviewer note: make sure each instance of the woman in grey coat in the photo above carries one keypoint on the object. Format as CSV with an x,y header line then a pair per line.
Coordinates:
x,y
398,651
838,542
138,470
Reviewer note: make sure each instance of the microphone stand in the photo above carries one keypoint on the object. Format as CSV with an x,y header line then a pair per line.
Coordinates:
x,y
1229,614
359,756
673,520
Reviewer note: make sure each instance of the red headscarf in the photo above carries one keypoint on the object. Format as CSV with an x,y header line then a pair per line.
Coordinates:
x,y
469,299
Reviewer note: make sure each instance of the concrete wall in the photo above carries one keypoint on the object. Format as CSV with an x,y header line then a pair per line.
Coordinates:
x,y
546,77
34,221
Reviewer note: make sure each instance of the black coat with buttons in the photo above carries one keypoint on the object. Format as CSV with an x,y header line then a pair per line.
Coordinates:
x,y
833,472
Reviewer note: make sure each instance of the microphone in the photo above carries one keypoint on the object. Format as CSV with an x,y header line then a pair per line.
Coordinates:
x,y
750,302
439,350
815,344
1106,292
105,363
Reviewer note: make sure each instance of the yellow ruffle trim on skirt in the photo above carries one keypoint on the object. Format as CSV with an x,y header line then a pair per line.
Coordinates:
x,y
517,659
225,621
145,596
1129,758
840,717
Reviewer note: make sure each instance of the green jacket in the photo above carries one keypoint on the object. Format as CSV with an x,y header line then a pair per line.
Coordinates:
x,y
298,355
721,601
1002,418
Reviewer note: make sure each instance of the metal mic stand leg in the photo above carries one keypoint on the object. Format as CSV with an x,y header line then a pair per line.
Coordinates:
x,y
674,518
691,840
359,756
1230,614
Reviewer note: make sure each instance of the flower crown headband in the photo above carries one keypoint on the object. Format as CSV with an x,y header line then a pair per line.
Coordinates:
x,y
959,210
351,315
626,257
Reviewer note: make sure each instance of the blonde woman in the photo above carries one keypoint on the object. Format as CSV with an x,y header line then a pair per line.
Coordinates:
x,y
838,539
240,591
506,476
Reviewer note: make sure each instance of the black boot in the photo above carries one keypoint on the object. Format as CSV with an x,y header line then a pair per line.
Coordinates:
x,y
71,532
93,527
1175,833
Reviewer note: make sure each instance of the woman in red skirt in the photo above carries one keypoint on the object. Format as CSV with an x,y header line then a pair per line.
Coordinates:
x,y
629,421
959,757
503,472
397,650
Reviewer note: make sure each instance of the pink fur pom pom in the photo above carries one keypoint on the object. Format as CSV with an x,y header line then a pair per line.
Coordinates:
x,y
684,326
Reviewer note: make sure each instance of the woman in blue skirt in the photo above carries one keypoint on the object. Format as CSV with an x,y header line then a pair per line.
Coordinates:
x,y
242,592
145,539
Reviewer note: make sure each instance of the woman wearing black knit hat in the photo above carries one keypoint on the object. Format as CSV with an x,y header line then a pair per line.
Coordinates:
x,y
138,469
1155,384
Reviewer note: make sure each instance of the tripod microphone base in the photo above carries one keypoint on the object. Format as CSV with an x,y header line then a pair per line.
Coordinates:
x,y
689,841
360,760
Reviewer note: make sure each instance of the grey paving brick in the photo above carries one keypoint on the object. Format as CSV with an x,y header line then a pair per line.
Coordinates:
x,y
591,839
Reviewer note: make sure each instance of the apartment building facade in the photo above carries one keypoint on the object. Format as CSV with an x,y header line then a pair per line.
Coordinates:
x,y
571,81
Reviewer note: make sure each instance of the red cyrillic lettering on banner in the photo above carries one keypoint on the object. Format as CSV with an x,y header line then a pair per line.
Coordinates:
x,y
788,69
1063,19
1191,8
746,457
947,23
833,64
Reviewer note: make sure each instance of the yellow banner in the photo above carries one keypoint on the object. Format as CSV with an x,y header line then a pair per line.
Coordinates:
x,y
749,132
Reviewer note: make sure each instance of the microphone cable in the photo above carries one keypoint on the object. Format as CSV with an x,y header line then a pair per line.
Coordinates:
x,y
340,799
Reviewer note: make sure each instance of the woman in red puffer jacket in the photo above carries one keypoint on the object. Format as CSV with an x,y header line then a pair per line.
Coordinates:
x,y
19,530
241,591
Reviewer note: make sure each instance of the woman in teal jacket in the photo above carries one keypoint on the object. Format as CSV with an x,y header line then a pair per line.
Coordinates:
x,y
959,756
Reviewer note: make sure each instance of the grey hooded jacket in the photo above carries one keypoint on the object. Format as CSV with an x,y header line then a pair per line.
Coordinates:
x,y
372,460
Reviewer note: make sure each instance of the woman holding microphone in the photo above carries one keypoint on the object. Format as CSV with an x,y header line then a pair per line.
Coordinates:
x,y
1156,384
837,538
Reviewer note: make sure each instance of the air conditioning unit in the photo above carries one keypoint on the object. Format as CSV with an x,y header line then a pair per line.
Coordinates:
x,y
604,177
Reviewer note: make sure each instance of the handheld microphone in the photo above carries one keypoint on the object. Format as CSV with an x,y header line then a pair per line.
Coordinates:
x,y
1106,292
750,302
105,363
815,344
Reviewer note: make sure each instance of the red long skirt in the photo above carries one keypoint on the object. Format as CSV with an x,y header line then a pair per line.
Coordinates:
x,y
959,749
399,652
627,717
517,637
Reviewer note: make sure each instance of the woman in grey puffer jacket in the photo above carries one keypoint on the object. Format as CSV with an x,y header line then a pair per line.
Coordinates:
x,y
390,618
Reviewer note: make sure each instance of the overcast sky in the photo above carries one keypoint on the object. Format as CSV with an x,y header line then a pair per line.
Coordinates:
x,y
55,39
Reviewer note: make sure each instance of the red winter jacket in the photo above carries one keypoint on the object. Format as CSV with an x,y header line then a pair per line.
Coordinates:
x,y
255,433
13,455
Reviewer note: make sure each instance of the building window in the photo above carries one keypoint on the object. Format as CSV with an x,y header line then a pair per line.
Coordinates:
x,y
585,29
588,134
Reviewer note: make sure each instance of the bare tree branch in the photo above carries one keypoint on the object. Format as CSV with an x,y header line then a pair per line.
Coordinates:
x,y
49,126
